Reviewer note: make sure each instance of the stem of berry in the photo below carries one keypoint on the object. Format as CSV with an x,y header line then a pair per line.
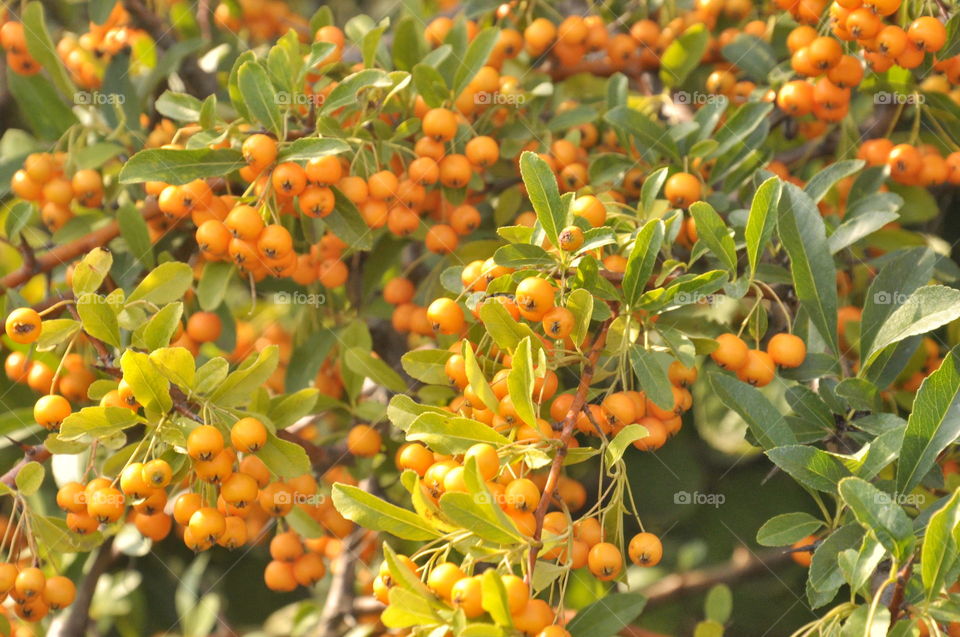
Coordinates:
x,y
569,421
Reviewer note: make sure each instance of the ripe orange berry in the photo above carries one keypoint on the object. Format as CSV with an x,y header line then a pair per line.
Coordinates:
x,y
286,547
441,239
571,238
787,350
157,473
482,151
535,295
731,352
927,33
364,441
248,435
244,222
59,592
682,189
645,549
442,578
30,582
446,316
289,179
207,524
656,434
279,576
558,323
105,504
415,457
398,290
324,171
466,594
522,495
23,325
758,370
440,124
72,497
259,151
803,557
681,375
204,327
50,410
589,208
455,171
274,242
204,442
488,462
605,561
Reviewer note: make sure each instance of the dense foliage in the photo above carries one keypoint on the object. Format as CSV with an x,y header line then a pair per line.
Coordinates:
x,y
480,320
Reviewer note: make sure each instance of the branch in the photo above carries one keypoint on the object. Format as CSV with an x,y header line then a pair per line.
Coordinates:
x,y
36,453
341,594
63,254
75,621
743,563
896,602
568,423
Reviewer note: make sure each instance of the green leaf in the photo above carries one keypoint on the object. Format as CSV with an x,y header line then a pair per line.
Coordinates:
x,y
285,459
427,365
287,410
259,96
824,575
42,49
713,232
213,284
810,466
478,381
372,513
505,331
902,275
29,478
99,317
177,365
607,616
880,515
683,55
766,424
462,510
238,387
821,183
40,105
855,228
55,332
651,188
925,310
751,54
719,603
787,528
96,422
407,609
430,85
939,553
933,424
307,148
520,382
18,216
407,44
814,275
345,222
649,134
544,194
303,368
651,370
179,106
346,92
161,327
762,220
449,434
133,229
521,255
91,271
361,361
150,387
618,446
642,258
580,304
167,283
477,54
494,598
177,167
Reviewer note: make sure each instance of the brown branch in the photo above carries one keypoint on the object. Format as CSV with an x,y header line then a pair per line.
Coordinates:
x,y
36,453
78,617
579,399
341,594
896,601
62,254
743,563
